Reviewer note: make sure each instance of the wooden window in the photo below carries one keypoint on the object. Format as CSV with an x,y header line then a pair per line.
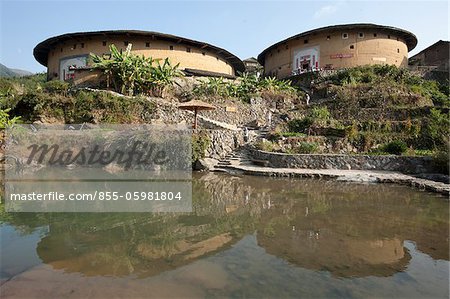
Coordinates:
x,y
125,43
82,45
188,49
328,37
305,41
360,35
147,45
352,47
374,35
344,35
104,43
171,48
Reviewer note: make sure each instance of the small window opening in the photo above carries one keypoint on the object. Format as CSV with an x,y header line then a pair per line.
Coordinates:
x,y
147,45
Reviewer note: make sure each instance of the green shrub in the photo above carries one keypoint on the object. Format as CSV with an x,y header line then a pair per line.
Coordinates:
x,y
306,148
266,146
320,113
396,147
352,132
441,159
300,125
200,142
246,86
56,86
5,120
435,129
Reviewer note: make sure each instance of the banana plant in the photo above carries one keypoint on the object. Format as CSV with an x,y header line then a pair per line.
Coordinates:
x,y
133,74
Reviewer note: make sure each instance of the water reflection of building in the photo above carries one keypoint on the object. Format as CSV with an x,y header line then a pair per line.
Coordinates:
x,y
340,255
346,229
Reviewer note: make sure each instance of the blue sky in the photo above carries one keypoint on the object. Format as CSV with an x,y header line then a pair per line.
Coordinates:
x,y
245,28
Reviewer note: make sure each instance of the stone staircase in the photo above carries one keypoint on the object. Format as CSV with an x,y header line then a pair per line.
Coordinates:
x,y
240,156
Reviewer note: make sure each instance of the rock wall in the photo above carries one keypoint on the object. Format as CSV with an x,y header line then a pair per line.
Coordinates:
x,y
361,162
223,142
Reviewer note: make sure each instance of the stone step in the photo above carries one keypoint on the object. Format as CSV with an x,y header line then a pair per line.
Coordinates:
x,y
218,169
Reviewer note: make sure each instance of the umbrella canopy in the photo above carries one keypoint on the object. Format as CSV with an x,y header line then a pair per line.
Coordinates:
x,y
196,105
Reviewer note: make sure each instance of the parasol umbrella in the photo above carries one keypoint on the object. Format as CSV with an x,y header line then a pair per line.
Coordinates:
x,y
196,105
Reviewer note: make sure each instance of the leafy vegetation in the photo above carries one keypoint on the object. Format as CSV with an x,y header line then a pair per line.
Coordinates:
x,y
200,142
244,87
305,148
300,125
396,147
394,76
5,120
133,74
33,99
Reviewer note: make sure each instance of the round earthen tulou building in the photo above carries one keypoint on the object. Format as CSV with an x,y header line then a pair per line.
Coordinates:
x,y
337,47
67,53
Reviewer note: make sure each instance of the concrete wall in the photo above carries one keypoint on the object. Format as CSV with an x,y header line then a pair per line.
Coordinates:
x,y
361,162
197,58
367,50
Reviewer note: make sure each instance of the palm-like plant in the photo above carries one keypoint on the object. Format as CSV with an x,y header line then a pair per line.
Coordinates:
x,y
131,74
162,76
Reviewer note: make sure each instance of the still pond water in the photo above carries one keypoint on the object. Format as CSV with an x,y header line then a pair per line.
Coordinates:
x,y
248,237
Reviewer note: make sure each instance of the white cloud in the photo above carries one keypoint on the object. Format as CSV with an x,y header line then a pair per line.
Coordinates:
x,y
327,10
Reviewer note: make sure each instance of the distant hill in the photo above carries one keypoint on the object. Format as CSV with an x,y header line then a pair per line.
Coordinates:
x,y
7,72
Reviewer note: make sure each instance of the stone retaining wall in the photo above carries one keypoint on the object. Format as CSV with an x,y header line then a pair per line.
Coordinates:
x,y
360,162
223,142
